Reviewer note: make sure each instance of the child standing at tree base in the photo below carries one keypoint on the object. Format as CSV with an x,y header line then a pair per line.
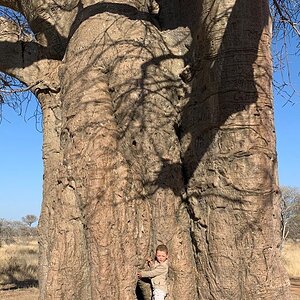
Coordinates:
x,y
158,273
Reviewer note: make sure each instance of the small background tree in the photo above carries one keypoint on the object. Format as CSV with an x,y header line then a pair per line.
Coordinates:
x,y
29,219
290,212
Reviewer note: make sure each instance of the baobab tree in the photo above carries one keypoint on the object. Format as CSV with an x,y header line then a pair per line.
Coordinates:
x,y
158,128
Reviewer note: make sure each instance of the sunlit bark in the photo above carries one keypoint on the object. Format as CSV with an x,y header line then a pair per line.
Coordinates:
x,y
158,128
230,158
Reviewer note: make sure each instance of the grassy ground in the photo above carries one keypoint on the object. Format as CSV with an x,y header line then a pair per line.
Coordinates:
x,y
19,263
291,256
18,270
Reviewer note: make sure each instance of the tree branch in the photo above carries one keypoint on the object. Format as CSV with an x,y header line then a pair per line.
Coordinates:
x,y
13,4
21,90
50,21
285,17
21,58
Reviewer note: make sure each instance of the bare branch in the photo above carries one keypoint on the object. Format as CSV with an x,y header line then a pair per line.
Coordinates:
x,y
286,34
21,90
286,15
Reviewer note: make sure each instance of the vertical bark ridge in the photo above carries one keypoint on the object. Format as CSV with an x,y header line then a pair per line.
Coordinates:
x,y
229,155
52,159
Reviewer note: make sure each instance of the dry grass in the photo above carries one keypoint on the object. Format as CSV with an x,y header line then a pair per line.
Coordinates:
x,y
291,256
19,263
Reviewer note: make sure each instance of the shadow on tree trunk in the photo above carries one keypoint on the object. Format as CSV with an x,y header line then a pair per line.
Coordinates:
x,y
143,289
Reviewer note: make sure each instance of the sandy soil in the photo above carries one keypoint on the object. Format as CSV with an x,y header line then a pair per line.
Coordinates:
x,y
10,293
295,288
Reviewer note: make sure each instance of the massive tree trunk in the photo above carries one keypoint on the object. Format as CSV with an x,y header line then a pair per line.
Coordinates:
x,y
158,128
229,155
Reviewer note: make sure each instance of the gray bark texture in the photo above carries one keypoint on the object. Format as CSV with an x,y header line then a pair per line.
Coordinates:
x,y
158,128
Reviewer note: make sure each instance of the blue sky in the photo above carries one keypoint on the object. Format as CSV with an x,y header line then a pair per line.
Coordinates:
x,y
21,166
287,115
21,153
287,124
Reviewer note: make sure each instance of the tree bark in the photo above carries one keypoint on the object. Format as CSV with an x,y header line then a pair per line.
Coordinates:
x,y
229,155
110,212
158,128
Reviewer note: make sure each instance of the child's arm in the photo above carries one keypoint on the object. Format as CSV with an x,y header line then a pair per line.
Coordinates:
x,y
150,264
160,269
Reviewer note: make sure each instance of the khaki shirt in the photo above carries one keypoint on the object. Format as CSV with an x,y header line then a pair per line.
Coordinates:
x,y
158,274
